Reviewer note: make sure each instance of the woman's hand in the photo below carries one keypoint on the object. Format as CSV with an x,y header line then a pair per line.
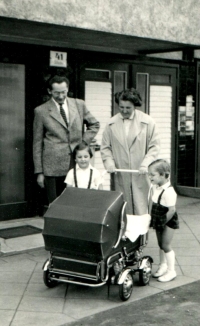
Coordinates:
x,y
143,170
111,169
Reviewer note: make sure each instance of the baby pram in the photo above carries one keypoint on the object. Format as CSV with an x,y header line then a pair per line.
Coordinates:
x,y
83,232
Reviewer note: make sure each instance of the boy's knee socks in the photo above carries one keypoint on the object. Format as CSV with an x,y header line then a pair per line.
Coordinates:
x,y
170,256
163,259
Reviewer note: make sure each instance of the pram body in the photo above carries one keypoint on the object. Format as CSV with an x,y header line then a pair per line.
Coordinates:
x,y
83,233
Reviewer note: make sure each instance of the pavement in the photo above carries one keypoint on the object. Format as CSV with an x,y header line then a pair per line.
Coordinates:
x,y
25,300
178,306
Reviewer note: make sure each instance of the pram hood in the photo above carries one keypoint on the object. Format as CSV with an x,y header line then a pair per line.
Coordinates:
x,y
83,222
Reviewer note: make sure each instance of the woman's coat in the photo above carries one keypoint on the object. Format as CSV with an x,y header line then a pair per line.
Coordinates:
x,y
139,149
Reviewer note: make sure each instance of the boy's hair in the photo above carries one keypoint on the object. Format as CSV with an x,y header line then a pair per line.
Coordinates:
x,y
162,167
80,147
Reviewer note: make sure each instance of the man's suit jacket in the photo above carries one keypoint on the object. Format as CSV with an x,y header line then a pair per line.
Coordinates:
x,y
53,141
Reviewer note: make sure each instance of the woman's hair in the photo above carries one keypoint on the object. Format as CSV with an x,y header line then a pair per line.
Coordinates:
x,y
162,167
131,95
59,80
80,147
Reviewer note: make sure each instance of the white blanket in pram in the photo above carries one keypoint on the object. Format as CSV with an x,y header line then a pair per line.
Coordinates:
x,y
137,225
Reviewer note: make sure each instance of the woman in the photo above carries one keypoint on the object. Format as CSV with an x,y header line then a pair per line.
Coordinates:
x,y
130,141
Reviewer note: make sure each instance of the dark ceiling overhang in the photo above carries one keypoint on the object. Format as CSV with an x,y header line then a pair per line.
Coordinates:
x,y
31,32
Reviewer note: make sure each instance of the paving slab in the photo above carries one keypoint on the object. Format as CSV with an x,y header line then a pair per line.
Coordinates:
x,y
23,318
42,304
15,277
9,302
178,281
6,317
191,271
38,290
12,289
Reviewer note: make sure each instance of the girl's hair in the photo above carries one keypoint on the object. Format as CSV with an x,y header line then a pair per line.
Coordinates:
x,y
80,147
162,167
131,95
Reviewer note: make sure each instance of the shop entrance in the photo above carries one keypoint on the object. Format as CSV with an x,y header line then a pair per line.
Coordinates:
x,y
157,85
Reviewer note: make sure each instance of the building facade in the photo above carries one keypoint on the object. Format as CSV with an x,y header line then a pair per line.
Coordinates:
x,y
102,47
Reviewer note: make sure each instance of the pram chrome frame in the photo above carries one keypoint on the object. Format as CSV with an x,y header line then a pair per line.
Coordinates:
x,y
132,263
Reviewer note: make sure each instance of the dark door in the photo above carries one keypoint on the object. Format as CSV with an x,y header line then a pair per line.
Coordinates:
x,y
196,124
12,141
189,135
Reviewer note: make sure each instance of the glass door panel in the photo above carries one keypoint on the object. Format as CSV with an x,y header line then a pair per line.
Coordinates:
x,y
142,85
120,83
160,109
98,98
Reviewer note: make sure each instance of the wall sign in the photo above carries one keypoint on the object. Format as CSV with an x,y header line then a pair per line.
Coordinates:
x,y
58,59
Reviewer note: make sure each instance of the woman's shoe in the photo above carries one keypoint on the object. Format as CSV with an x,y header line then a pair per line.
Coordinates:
x,y
161,270
169,276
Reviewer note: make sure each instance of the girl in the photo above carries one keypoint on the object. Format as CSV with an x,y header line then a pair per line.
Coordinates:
x,y
84,175
164,218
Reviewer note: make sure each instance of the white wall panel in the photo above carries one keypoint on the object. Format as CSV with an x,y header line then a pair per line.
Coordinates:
x,y
98,98
161,112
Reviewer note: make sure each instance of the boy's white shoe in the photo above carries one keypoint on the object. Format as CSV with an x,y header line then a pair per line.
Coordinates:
x,y
169,276
162,269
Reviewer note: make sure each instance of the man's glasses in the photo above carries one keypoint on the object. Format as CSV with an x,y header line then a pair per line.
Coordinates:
x,y
59,93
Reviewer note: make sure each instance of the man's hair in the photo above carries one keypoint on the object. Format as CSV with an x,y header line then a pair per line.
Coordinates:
x,y
80,147
57,79
162,167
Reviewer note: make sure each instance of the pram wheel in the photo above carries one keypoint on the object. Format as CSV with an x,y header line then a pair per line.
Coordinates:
x,y
126,288
47,281
145,272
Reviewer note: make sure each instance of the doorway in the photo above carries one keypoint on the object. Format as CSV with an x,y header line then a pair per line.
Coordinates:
x,y
12,140
158,86
99,82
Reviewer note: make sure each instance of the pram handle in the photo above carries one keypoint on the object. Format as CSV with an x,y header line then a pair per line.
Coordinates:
x,y
128,171
121,225
122,170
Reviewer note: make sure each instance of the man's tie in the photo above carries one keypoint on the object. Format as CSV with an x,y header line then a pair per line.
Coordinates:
x,y
62,112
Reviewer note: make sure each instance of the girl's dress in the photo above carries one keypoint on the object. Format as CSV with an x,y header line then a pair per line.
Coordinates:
x,y
89,178
159,218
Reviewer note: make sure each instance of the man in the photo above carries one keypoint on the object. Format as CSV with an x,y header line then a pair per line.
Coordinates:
x,y
56,134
